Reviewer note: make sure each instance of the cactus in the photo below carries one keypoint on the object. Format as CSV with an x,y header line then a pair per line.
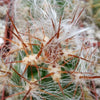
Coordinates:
x,y
50,56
